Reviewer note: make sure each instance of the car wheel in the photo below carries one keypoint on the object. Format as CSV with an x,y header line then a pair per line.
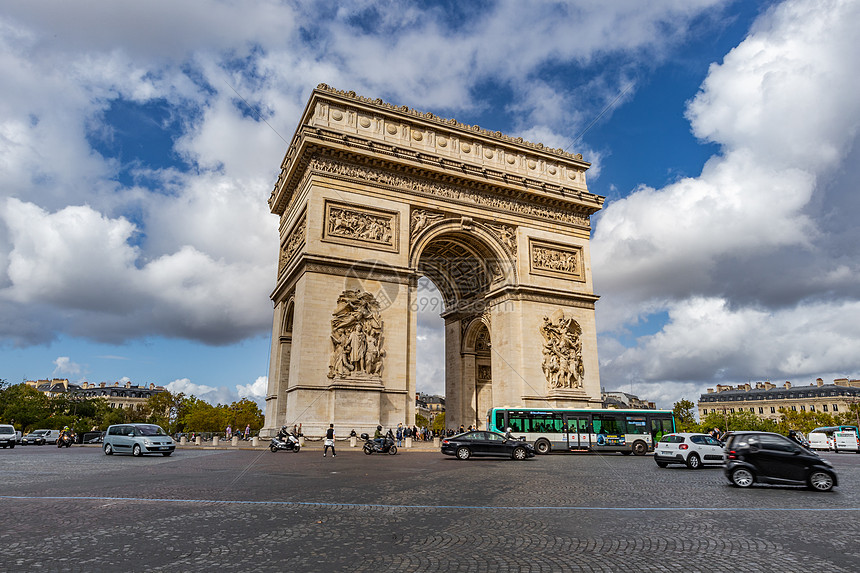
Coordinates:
x,y
108,450
166,454
693,461
12,446
392,450
640,448
463,453
136,451
662,464
519,454
820,481
742,477
542,447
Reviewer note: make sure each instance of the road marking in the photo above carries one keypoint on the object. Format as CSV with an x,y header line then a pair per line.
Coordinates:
x,y
387,506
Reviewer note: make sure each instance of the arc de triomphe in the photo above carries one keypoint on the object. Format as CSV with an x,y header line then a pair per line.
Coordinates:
x,y
372,196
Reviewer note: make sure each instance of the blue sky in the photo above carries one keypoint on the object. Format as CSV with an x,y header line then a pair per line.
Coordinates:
x,y
135,240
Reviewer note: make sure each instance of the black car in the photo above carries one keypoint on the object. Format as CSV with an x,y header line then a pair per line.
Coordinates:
x,y
765,457
36,437
485,443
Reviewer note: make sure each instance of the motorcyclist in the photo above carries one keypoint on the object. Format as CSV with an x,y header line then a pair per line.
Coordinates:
x,y
377,437
508,434
67,433
794,436
283,432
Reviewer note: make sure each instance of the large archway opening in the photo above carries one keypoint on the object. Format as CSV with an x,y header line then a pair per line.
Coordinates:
x,y
458,269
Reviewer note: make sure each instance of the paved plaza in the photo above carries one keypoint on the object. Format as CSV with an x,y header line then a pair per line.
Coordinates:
x,y
251,510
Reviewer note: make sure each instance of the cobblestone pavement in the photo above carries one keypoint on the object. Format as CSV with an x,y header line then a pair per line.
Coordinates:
x,y
245,510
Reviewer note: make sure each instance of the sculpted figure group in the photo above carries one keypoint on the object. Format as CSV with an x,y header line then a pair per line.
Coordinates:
x,y
356,335
562,352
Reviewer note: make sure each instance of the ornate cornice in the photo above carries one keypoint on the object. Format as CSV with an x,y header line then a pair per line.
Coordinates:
x,y
341,120
448,123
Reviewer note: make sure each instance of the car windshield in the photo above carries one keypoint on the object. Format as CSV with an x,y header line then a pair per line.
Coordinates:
x,y
150,430
6,430
37,432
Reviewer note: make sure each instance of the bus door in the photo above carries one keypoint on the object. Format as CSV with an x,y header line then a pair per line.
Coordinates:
x,y
578,432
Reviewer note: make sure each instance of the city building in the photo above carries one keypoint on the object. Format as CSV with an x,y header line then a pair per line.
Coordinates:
x,y
125,395
429,405
625,401
765,399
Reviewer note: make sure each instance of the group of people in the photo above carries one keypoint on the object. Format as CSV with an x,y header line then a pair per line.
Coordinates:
x,y
247,435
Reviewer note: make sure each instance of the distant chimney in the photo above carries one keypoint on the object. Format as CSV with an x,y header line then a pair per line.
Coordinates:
x,y
747,387
116,383
152,386
819,381
102,385
710,390
787,385
841,381
128,384
768,385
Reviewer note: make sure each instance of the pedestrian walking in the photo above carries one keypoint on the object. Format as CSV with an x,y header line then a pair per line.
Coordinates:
x,y
229,431
247,431
329,441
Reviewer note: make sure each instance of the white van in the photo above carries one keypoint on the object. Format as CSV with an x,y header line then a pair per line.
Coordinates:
x,y
846,442
8,436
821,438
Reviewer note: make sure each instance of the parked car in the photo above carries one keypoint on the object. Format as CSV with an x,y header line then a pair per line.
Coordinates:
x,y
137,439
485,443
691,449
764,457
8,436
35,438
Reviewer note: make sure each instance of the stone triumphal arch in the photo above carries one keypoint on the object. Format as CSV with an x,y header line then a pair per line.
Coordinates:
x,y
372,196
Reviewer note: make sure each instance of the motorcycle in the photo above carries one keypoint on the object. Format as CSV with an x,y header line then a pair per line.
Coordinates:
x,y
65,440
372,447
289,443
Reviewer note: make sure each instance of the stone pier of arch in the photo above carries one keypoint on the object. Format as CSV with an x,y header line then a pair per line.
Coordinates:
x,y
372,196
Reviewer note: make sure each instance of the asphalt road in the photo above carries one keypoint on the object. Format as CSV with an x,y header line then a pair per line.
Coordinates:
x,y
244,510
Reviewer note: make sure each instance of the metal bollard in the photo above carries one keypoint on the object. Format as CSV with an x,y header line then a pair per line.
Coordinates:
x,y
215,440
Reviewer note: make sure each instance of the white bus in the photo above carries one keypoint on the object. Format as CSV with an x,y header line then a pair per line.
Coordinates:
x,y
595,430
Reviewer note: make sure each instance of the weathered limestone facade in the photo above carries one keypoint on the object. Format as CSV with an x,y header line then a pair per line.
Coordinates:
x,y
372,196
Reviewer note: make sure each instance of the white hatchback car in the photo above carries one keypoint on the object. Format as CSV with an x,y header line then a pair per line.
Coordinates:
x,y
692,450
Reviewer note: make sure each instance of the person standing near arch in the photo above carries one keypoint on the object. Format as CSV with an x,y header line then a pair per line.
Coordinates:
x,y
329,441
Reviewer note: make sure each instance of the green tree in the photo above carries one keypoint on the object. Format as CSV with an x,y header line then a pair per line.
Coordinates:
x,y
438,424
803,421
24,405
421,421
165,409
685,416
738,421
246,412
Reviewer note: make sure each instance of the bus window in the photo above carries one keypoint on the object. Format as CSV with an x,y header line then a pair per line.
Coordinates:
x,y
606,424
636,425
500,420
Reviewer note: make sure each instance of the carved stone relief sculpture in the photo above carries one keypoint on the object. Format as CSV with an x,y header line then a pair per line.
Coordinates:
x,y
356,336
358,225
556,260
295,240
507,235
421,219
562,351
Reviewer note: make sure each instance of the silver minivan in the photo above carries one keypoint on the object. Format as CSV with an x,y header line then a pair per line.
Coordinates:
x,y
137,439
